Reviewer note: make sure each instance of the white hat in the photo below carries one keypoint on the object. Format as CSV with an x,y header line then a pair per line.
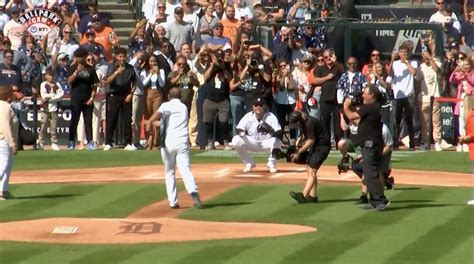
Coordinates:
x,y
62,55
227,46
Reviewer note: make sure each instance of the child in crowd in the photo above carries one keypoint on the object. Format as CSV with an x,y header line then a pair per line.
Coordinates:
x,y
7,141
51,94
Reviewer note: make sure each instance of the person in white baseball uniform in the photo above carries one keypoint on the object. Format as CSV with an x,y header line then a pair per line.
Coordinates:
x,y
258,131
7,141
174,117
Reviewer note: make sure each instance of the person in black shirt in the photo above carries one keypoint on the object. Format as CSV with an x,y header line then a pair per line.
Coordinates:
x,y
9,73
368,119
121,78
326,76
313,150
82,79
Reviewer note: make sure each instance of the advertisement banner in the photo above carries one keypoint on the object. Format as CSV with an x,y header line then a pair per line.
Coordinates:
x,y
38,22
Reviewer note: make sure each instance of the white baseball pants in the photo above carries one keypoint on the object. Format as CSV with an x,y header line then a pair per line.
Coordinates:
x,y
246,143
6,161
172,157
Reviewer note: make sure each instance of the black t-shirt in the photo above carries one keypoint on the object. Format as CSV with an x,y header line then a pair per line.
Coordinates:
x,y
83,84
314,129
122,85
328,88
271,6
217,91
370,125
10,76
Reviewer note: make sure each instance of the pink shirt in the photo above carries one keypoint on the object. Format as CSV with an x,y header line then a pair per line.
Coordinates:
x,y
468,86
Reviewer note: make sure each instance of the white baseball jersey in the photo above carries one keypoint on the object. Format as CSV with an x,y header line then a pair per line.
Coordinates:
x,y
249,124
174,122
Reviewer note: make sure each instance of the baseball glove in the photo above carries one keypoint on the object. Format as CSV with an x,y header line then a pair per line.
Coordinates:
x,y
265,128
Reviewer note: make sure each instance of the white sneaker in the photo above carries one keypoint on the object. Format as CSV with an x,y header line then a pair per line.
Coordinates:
x,y
130,147
470,202
406,141
39,146
445,145
272,168
438,147
217,144
248,167
107,147
55,147
465,148
458,148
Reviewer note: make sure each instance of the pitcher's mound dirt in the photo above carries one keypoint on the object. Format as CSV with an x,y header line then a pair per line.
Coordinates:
x,y
132,230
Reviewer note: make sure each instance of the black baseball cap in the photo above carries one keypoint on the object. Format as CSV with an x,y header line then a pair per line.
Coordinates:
x,y
259,101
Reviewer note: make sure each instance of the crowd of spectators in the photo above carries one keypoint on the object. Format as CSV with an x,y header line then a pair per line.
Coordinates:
x,y
209,50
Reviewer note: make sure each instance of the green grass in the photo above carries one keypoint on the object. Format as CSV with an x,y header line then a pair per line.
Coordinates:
x,y
34,201
41,160
423,225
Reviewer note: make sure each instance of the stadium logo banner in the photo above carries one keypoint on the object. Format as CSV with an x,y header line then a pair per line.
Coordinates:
x,y
38,22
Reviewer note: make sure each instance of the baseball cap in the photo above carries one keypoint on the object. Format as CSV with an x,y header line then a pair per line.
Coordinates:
x,y
62,55
259,101
96,18
257,3
90,32
307,57
63,2
218,25
227,47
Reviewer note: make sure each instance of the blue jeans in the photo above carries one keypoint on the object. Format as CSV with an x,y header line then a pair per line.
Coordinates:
x,y
237,110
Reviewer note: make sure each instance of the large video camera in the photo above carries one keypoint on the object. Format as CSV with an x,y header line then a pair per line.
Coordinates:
x,y
356,97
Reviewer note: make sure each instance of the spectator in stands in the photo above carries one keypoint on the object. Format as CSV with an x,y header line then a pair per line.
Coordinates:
x,y
305,91
92,47
180,32
164,56
153,79
467,6
207,23
171,5
160,16
299,10
463,77
216,103
403,72
230,24
449,20
61,68
351,81
183,78
285,96
242,10
17,4
4,18
82,78
379,77
31,65
313,41
429,74
192,13
274,9
326,76
65,44
137,39
9,73
201,64
467,27
375,57
218,40
219,9
51,94
105,36
284,42
121,78
68,16
13,30
98,117
85,22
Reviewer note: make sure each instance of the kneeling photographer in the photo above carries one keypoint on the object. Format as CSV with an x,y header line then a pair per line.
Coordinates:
x,y
312,150
368,119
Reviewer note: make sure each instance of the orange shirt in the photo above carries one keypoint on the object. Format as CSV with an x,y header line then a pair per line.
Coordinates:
x,y
470,132
107,38
230,29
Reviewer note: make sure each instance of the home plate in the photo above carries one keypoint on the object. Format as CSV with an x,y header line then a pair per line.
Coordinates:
x,y
65,230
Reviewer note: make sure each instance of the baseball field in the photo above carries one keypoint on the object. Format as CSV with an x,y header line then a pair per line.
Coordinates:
x,y
111,207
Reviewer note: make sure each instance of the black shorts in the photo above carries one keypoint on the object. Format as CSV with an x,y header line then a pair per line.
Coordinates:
x,y
317,156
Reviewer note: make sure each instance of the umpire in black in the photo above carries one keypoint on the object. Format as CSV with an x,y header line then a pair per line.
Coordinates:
x,y
121,78
367,117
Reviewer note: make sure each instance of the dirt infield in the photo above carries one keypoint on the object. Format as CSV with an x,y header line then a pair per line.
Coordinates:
x,y
157,223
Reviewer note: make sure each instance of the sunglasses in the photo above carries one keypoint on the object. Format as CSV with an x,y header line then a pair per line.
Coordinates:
x,y
283,65
162,7
320,60
218,28
307,61
180,64
90,60
258,105
376,55
67,32
440,3
351,63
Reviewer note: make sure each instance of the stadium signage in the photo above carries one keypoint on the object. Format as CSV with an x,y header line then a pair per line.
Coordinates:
x,y
38,22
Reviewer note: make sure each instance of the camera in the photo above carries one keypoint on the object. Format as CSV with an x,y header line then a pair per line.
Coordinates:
x,y
253,63
345,164
355,96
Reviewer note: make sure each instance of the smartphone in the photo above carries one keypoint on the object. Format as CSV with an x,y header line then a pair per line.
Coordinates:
x,y
248,43
424,48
